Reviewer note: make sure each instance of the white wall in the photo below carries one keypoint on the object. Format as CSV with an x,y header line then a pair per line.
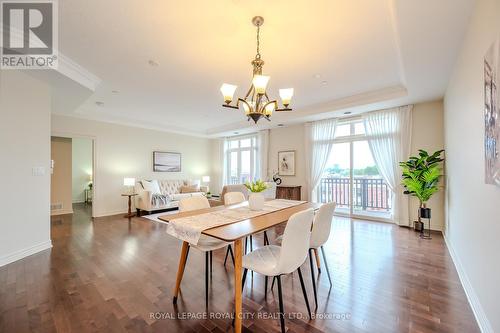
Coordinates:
x,y
428,134
289,138
24,144
473,208
81,168
123,151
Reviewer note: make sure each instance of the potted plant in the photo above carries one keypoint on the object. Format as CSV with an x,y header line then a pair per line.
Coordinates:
x,y
421,176
256,198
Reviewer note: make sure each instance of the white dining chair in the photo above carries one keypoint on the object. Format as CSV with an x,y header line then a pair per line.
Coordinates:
x,y
319,236
206,243
233,198
275,261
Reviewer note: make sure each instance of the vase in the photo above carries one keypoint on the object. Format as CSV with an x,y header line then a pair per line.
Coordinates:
x,y
256,201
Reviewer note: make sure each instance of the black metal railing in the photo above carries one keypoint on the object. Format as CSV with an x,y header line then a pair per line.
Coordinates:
x,y
368,193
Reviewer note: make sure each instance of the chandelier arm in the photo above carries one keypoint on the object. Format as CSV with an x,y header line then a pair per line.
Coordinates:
x,y
230,106
243,101
249,91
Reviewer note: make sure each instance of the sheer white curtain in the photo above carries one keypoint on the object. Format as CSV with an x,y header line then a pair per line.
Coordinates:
x,y
223,162
262,155
319,136
389,136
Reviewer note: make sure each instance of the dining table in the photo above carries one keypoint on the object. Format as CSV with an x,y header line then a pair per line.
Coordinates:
x,y
236,233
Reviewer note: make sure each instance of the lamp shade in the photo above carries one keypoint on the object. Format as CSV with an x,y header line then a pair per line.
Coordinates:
x,y
205,179
128,181
227,91
286,95
260,83
270,108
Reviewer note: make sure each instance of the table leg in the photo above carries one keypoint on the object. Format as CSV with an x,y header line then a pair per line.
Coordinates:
x,y
180,270
238,254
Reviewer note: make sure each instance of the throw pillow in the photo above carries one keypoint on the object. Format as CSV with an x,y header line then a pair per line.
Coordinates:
x,y
152,186
190,189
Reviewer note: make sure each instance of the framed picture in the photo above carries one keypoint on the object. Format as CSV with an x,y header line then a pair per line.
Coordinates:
x,y
166,161
286,163
492,113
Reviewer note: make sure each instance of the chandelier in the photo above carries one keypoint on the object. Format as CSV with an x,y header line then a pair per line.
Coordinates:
x,y
256,102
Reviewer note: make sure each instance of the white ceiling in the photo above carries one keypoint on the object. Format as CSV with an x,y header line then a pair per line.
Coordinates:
x,y
371,53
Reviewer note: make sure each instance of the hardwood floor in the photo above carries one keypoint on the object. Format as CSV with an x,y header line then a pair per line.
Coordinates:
x,y
109,275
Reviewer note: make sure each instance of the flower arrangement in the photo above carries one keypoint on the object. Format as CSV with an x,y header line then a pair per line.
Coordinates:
x,y
256,187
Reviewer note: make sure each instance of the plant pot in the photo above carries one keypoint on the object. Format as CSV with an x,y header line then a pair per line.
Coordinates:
x,y
425,213
256,201
418,226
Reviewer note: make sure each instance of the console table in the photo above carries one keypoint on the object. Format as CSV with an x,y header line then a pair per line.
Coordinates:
x,y
288,192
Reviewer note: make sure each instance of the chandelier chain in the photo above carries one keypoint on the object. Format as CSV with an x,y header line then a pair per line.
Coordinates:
x,y
258,43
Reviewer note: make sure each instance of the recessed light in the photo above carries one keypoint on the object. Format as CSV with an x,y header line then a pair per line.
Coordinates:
x,y
99,103
317,76
281,125
324,83
347,112
115,91
153,63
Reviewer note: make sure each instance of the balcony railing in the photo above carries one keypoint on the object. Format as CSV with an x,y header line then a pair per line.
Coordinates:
x,y
368,193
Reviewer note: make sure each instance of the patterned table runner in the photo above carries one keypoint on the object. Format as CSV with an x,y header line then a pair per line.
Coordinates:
x,y
189,228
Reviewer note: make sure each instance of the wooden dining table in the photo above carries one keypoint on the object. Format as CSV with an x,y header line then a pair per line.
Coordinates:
x,y
235,232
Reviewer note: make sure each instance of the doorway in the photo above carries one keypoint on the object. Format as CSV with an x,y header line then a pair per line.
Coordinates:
x,y
72,174
351,176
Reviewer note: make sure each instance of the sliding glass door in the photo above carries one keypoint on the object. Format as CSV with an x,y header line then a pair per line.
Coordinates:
x,y
351,177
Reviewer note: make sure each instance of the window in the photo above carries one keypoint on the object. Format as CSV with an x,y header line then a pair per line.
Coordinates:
x,y
351,177
241,159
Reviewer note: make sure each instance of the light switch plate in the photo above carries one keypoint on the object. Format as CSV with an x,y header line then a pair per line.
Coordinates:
x,y
38,171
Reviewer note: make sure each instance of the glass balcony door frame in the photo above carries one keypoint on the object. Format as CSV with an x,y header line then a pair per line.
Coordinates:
x,y
351,139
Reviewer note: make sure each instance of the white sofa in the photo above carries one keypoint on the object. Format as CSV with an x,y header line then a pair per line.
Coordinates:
x,y
154,195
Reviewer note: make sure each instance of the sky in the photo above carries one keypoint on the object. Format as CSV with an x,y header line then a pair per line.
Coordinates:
x,y
340,155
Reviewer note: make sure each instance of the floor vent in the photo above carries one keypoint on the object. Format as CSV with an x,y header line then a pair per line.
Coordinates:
x,y
56,206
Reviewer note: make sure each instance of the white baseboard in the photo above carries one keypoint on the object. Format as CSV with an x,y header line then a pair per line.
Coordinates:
x,y
477,308
9,258
104,214
61,212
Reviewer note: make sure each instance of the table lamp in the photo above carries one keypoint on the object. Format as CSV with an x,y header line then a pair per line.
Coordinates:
x,y
129,183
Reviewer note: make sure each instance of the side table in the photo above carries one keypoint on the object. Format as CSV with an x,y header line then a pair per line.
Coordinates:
x,y
129,195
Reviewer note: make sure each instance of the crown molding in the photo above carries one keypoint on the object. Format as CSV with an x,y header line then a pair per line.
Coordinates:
x,y
66,66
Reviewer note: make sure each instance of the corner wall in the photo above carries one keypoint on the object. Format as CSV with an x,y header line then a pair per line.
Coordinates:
x,y
473,207
25,105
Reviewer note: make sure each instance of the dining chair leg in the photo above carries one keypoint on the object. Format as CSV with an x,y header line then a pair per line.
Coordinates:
x,y
211,260
326,266
318,262
313,278
304,291
227,253
251,243
282,311
231,252
246,245
272,284
206,279
265,287
266,239
245,271
180,270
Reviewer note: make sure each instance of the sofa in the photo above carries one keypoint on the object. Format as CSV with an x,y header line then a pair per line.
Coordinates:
x,y
154,195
